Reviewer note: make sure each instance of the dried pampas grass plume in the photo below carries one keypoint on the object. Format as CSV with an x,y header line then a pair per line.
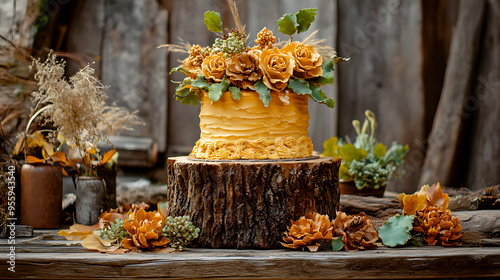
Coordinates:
x,y
77,107
236,17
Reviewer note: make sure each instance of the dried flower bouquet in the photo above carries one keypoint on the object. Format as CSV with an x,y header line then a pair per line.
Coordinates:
x,y
231,65
78,110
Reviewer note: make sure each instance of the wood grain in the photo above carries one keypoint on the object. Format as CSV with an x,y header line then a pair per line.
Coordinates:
x,y
69,262
248,204
383,40
132,32
483,168
445,140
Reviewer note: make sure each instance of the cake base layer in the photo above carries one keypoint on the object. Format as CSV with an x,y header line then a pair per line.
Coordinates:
x,y
250,204
258,149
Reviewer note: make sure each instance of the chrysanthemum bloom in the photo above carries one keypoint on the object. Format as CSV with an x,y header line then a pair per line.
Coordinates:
x,y
308,232
145,229
438,226
357,231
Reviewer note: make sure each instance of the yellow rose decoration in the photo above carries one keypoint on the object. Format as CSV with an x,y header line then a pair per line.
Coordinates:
x,y
277,68
308,62
243,69
214,67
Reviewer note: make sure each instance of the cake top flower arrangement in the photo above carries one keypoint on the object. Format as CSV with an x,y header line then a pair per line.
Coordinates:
x,y
231,65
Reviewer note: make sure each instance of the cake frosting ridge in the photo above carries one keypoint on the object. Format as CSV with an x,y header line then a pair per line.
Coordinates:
x,y
246,129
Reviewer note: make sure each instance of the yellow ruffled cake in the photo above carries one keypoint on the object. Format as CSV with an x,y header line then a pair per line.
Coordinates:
x,y
246,129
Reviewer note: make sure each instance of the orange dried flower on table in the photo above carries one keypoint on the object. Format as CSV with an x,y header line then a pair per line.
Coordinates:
x,y
309,231
145,230
427,196
438,226
357,231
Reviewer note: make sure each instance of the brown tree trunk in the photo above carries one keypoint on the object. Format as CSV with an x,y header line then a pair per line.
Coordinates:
x,y
249,204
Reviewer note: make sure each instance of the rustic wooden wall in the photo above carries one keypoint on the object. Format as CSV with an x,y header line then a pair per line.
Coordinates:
x,y
383,40
121,37
482,167
400,57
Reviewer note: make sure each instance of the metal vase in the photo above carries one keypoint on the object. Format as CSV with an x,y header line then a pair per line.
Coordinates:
x,y
41,196
90,199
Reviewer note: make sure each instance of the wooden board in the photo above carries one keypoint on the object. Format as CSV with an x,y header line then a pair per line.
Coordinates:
x,y
446,139
248,204
186,23
383,40
47,256
132,32
483,107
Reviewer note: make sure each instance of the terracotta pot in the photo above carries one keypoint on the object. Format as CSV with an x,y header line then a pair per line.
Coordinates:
x,y
41,196
349,187
90,199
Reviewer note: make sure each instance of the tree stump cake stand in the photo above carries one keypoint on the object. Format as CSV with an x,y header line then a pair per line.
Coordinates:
x,y
249,204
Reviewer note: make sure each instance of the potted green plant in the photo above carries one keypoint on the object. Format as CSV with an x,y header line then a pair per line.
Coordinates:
x,y
367,165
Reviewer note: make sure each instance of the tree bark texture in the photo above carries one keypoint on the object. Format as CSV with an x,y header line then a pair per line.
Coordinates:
x,y
249,204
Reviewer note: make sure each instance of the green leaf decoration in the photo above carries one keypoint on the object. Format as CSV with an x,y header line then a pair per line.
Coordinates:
x,y
187,96
299,86
379,150
216,90
183,92
330,146
396,230
339,59
304,19
287,24
212,21
343,172
235,92
349,153
179,69
337,244
319,96
264,92
328,73
201,83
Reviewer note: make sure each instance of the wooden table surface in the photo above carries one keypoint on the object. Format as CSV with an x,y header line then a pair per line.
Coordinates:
x,y
49,256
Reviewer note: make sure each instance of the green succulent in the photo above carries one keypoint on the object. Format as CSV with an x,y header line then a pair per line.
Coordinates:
x,y
367,162
114,230
180,231
396,230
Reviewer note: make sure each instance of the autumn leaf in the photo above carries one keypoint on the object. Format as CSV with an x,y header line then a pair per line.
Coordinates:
x,y
92,242
413,203
107,156
77,232
313,248
437,197
59,157
34,160
106,218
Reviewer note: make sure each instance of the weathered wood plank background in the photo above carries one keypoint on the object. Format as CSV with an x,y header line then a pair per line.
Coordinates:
x,y
400,56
